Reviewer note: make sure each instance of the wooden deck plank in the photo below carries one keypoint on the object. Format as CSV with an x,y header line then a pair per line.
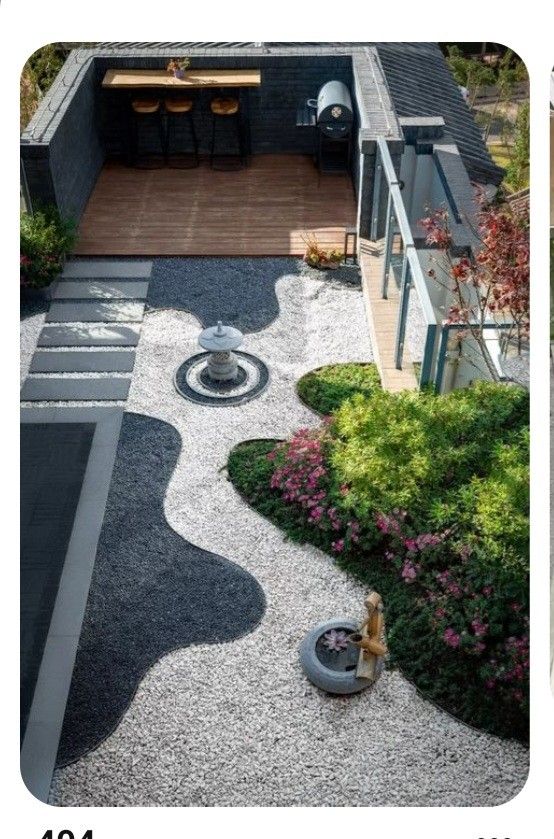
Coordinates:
x,y
263,210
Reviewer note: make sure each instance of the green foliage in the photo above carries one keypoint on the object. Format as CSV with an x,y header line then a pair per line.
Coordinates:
x,y
37,76
458,465
422,448
45,239
469,72
46,63
517,173
326,389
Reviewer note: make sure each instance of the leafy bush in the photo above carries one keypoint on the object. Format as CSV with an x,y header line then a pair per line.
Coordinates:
x,y
424,498
45,239
37,76
326,389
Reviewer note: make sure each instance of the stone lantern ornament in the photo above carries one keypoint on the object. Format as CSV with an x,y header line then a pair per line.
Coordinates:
x,y
222,375
341,657
220,341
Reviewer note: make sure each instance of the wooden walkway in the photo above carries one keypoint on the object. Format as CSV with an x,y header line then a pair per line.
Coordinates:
x,y
263,210
382,316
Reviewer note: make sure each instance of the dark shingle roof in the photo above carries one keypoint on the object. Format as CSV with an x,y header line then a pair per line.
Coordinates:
x,y
421,84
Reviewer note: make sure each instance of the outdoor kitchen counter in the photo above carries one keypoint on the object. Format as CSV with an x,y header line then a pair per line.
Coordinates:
x,y
193,78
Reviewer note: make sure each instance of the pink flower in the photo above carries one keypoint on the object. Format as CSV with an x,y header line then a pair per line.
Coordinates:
x,y
479,627
409,571
440,612
451,638
338,545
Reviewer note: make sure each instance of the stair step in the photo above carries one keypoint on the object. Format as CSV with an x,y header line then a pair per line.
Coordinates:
x,y
125,310
89,336
100,290
66,390
82,362
94,268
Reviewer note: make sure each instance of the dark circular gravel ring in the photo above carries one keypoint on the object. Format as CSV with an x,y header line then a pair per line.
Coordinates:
x,y
179,380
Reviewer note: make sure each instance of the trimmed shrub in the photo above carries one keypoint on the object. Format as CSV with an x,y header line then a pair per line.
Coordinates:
x,y
326,388
45,239
424,498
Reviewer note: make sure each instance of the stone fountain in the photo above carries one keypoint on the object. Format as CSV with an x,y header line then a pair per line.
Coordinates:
x,y
222,375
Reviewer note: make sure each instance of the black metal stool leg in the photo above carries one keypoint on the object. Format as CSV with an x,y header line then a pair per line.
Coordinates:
x,y
213,142
194,138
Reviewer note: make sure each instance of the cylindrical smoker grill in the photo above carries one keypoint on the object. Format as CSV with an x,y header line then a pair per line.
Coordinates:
x,y
333,118
334,114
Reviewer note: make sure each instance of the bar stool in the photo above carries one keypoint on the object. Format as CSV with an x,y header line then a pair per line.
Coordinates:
x,y
226,109
146,113
178,111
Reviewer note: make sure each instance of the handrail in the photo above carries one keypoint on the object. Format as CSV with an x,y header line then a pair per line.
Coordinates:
x,y
405,231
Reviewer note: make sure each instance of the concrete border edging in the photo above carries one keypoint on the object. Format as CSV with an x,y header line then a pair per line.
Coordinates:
x,y
40,743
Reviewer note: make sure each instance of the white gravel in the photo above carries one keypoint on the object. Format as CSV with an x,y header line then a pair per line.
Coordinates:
x,y
30,325
238,724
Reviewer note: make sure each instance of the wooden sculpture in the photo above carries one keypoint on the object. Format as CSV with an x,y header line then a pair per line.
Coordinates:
x,y
369,638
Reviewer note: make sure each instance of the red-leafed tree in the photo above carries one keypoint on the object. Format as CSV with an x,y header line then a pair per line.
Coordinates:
x,y
492,282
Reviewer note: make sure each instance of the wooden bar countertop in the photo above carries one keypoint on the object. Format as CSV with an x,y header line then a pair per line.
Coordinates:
x,y
193,78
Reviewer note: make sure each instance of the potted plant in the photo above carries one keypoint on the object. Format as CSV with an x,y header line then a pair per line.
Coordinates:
x,y
318,257
45,240
178,67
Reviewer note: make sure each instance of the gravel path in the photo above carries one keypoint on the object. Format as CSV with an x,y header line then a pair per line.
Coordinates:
x,y
191,596
237,724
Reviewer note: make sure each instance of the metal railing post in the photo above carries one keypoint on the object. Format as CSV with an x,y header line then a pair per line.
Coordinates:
x,y
388,247
376,195
426,365
405,284
441,358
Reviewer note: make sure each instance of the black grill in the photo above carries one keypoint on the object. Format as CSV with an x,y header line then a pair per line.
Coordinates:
x,y
331,117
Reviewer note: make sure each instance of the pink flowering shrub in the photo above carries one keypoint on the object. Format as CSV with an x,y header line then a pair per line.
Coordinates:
x,y
487,624
425,499
303,479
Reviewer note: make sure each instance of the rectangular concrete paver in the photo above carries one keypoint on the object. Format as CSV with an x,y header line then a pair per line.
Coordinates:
x,y
89,336
82,362
116,311
101,290
54,389
108,268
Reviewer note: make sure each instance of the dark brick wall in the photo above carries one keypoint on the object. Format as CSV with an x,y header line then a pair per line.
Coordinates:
x,y
76,153
287,81
36,162
64,170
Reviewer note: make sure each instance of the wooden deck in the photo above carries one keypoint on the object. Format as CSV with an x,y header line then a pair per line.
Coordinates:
x,y
382,317
263,210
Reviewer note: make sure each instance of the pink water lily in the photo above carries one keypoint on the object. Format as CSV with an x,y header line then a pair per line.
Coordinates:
x,y
336,640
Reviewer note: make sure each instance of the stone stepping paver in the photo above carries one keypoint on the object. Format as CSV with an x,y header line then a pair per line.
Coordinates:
x,y
115,311
92,268
95,304
100,289
89,336
82,362
54,389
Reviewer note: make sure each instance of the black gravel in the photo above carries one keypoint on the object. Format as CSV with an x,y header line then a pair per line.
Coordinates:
x,y
256,388
240,292
151,590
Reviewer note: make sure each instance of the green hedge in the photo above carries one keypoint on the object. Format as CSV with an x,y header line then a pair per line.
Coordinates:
x,y
326,388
